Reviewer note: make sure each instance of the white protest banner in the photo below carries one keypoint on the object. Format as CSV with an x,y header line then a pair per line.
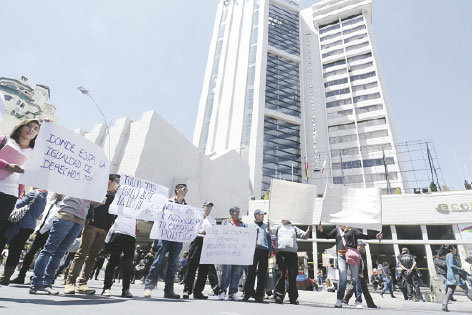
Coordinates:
x,y
67,163
139,199
356,207
291,201
228,245
176,222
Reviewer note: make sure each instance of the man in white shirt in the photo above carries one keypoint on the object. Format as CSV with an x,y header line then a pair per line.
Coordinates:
x,y
194,259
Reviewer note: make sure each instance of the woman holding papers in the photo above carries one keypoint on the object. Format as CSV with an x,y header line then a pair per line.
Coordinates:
x,y
13,153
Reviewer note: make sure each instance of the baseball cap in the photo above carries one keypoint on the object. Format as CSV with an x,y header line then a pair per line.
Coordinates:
x,y
235,209
361,243
208,203
259,211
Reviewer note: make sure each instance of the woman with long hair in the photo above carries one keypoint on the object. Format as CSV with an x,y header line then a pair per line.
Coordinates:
x,y
21,140
453,276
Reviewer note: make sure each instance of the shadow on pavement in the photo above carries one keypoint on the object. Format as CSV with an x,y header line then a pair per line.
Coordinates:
x,y
69,302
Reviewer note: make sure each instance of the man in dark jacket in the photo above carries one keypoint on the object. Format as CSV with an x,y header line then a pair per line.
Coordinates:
x,y
363,275
409,277
92,242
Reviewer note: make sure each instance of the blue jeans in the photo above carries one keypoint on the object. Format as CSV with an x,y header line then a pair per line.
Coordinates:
x,y
231,275
388,285
174,248
61,236
342,283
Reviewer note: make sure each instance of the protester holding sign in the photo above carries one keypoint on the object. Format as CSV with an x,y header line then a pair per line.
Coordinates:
x,y
346,244
13,153
286,258
71,219
122,236
16,234
92,242
173,248
231,274
260,260
194,259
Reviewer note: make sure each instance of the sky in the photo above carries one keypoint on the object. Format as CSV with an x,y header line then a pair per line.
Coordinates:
x,y
140,55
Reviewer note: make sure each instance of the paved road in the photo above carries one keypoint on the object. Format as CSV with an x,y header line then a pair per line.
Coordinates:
x,y
15,299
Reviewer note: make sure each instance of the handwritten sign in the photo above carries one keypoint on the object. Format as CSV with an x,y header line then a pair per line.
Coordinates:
x,y
66,163
228,245
139,199
176,222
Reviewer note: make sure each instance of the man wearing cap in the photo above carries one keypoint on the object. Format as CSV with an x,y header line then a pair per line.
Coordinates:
x,y
231,274
409,278
260,259
194,259
363,275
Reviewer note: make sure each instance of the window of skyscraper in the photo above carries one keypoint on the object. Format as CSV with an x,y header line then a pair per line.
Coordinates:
x,y
283,29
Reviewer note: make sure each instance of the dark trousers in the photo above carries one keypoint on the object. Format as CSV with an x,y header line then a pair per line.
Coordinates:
x,y
260,268
7,204
213,279
287,261
364,290
15,247
35,247
411,284
193,264
120,243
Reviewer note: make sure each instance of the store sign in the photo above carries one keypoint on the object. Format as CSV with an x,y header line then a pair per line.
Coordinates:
x,y
446,208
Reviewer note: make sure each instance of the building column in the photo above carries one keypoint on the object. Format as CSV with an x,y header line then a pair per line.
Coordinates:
x,y
428,251
315,252
395,245
461,248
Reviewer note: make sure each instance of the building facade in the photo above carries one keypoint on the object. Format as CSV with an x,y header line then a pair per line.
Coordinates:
x,y
23,102
299,100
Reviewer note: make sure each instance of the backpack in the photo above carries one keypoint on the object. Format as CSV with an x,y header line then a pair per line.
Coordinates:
x,y
18,214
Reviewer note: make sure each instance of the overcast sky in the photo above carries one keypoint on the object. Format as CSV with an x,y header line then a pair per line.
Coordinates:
x,y
139,55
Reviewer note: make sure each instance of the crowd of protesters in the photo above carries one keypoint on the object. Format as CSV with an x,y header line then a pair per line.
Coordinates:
x,y
83,234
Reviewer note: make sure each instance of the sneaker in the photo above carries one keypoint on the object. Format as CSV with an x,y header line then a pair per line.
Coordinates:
x,y
69,289
106,292
126,294
185,295
235,297
39,291
359,305
338,304
200,296
147,293
171,295
278,300
18,280
221,296
51,290
84,289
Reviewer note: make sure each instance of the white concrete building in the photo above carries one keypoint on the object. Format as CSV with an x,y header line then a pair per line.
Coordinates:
x,y
289,91
152,149
344,88
23,102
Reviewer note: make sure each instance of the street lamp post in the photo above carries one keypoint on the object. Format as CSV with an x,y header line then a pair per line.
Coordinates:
x,y
107,128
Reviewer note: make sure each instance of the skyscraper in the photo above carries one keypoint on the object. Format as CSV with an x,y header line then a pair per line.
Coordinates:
x,y
288,109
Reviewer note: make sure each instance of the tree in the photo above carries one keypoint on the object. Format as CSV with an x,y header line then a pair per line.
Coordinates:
x,y
467,185
433,187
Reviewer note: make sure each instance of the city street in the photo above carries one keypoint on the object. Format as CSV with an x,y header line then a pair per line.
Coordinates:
x,y
15,299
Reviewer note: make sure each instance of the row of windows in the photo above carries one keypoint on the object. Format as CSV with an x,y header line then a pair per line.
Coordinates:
x,y
357,46
362,66
361,98
364,86
342,127
352,179
362,136
366,163
327,46
370,108
353,21
337,92
363,76
338,103
372,122
335,72
341,113
359,57
355,29
328,28
336,82
283,29
355,37
333,53
334,63
327,37
364,149
341,139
